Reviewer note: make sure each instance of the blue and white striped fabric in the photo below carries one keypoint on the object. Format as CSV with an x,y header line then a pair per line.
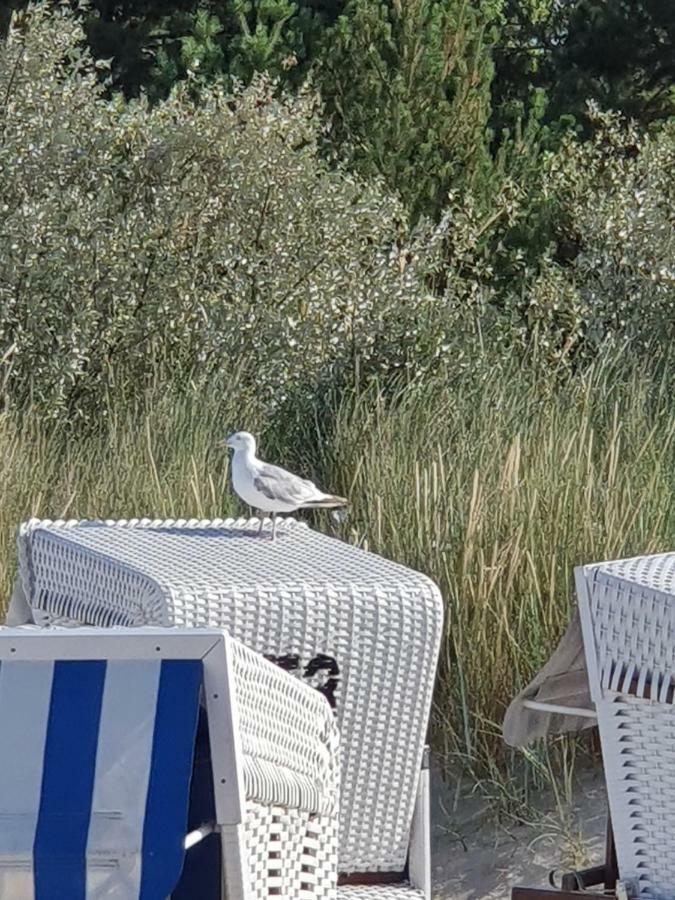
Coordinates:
x,y
95,767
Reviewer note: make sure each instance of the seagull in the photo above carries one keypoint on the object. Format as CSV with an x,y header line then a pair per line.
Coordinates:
x,y
269,488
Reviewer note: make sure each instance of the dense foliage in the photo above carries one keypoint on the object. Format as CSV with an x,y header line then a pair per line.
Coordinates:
x,y
195,239
407,91
396,240
620,54
431,94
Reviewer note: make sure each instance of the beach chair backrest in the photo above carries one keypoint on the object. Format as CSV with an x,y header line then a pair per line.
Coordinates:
x,y
97,739
627,612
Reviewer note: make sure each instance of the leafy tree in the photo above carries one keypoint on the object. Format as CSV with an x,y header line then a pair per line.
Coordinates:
x,y
155,43
241,38
615,280
407,89
620,55
134,34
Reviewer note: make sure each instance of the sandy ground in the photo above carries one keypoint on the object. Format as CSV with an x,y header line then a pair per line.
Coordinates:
x,y
475,858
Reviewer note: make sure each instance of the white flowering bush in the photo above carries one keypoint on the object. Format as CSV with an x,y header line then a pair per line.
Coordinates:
x,y
187,241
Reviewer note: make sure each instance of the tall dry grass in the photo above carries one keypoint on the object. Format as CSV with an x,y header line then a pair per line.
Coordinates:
x,y
495,485
158,459
497,488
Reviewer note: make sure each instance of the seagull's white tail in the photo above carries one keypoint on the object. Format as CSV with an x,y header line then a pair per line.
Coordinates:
x,y
328,501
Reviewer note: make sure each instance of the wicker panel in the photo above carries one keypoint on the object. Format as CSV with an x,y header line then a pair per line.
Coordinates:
x,y
633,628
656,572
290,853
628,618
289,737
380,892
105,593
364,630
638,745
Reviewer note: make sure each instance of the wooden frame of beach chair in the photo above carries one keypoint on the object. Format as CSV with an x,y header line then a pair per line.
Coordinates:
x,y
97,771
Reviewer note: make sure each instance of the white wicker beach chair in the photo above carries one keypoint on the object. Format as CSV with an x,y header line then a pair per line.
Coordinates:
x,y
361,629
105,758
628,620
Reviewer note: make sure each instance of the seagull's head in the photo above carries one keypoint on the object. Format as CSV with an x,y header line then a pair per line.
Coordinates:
x,y
241,440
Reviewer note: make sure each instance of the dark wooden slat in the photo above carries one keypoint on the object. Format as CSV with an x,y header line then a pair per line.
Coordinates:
x,y
573,884
372,878
527,893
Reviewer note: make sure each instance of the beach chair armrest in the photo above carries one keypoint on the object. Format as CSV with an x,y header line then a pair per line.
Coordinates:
x,y
289,737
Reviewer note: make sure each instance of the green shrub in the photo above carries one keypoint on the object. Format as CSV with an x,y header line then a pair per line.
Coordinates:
x,y
607,276
187,242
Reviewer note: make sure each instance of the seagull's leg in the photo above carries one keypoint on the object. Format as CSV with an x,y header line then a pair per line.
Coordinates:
x,y
274,525
262,522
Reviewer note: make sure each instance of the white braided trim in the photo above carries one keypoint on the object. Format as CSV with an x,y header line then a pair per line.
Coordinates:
x,y
99,598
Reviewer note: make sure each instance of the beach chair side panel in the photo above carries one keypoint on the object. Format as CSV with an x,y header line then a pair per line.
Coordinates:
x,y
629,638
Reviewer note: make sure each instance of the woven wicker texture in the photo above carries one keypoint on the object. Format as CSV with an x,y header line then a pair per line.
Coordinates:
x,y
628,615
290,853
289,737
363,630
634,623
380,892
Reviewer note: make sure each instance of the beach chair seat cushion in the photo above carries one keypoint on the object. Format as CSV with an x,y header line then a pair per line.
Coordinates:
x,y
96,764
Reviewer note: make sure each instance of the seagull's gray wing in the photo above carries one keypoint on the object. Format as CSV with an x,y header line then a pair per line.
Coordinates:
x,y
278,484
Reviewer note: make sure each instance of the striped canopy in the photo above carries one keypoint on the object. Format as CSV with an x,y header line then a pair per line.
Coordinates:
x,y
96,758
